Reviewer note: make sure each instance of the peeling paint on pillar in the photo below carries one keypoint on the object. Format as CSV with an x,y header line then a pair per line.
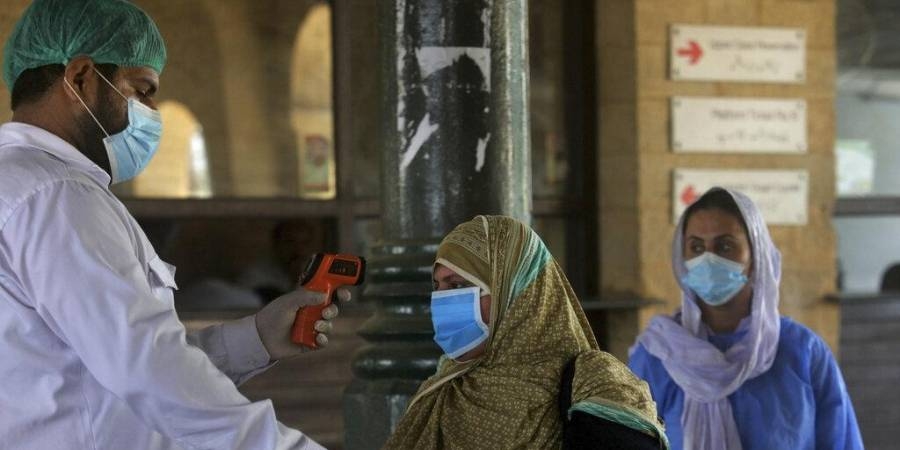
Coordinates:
x,y
449,164
462,73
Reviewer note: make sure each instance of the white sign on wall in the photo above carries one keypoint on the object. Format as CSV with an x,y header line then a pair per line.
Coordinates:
x,y
713,53
781,195
718,124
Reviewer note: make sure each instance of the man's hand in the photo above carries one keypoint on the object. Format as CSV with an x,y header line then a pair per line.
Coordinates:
x,y
274,321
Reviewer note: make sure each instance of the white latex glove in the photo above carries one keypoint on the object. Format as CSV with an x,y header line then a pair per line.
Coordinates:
x,y
274,321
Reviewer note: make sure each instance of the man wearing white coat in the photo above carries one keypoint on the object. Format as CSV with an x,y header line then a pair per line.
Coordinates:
x,y
94,356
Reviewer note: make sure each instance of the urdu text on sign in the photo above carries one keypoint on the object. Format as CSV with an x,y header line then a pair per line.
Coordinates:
x,y
732,125
751,54
781,195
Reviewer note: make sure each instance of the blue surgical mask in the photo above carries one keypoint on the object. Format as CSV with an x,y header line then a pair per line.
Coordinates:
x,y
456,316
716,280
131,149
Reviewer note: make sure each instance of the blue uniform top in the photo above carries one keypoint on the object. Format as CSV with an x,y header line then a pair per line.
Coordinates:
x,y
801,402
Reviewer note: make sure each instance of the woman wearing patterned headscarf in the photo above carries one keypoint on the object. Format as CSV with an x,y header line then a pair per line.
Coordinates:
x,y
726,371
509,323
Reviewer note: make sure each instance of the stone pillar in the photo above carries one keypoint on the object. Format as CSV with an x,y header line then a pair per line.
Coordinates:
x,y
454,136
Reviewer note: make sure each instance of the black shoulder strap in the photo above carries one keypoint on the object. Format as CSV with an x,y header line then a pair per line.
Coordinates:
x,y
565,401
565,389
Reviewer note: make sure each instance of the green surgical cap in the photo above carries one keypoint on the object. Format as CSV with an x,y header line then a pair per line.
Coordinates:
x,y
108,31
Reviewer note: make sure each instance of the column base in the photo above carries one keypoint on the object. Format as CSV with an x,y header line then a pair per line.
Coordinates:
x,y
372,410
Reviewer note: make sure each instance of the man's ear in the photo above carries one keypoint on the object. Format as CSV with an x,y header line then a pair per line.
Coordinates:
x,y
80,76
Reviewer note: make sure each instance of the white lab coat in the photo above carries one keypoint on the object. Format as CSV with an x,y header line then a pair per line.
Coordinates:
x,y
92,354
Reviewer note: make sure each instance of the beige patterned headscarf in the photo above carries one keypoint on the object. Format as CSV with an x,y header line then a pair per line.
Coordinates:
x,y
507,397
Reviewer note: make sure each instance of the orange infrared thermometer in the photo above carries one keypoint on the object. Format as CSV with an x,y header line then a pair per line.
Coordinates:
x,y
326,272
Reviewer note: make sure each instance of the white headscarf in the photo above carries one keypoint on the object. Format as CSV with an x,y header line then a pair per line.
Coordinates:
x,y
706,375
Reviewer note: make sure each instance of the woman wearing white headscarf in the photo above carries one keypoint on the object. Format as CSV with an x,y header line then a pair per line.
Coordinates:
x,y
727,372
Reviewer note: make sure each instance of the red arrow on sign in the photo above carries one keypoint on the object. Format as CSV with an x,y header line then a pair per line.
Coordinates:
x,y
693,52
688,195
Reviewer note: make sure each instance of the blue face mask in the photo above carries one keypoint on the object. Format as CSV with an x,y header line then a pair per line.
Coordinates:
x,y
131,149
456,316
714,279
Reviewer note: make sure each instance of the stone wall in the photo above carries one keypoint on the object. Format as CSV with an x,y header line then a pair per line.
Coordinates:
x,y
636,163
